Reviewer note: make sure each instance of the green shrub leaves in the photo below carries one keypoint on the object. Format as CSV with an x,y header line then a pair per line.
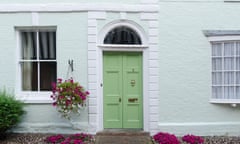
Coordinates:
x,y
11,111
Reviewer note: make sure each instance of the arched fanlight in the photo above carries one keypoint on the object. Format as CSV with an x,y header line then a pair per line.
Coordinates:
x,y
122,35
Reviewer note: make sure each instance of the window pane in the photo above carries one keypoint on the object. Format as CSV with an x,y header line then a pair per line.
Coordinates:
x,y
217,92
216,78
238,63
238,48
238,92
237,77
48,74
122,35
29,76
228,63
229,49
29,46
228,92
229,78
217,49
217,64
47,45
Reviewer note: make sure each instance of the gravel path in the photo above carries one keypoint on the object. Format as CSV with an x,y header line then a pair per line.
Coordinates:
x,y
39,139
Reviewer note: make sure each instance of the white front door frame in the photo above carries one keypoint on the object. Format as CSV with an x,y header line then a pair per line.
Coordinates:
x,y
149,49
123,48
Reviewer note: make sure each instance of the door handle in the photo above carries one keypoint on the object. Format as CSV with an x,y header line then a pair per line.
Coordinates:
x,y
119,99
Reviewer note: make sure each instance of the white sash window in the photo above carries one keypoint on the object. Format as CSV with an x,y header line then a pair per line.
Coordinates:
x,y
37,59
226,71
225,56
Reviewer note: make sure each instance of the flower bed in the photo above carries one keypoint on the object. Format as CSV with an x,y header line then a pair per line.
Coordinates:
x,y
167,138
79,138
38,138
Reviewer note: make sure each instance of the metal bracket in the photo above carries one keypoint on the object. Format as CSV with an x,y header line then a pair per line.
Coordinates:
x,y
70,63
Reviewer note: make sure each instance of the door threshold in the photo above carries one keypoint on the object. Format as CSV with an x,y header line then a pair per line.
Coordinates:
x,y
123,132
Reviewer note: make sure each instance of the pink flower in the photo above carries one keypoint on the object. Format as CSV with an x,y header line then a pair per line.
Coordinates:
x,y
54,139
54,104
54,86
59,80
83,97
165,138
61,97
68,102
78,141
192,139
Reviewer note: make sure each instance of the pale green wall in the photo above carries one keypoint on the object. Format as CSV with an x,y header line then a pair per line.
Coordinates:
x,y
185,61
8,47
71,44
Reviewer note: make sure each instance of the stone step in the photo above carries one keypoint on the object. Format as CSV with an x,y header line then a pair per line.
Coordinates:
x,y
123,137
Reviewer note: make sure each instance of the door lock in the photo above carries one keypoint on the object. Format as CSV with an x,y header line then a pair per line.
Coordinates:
x,y
133,82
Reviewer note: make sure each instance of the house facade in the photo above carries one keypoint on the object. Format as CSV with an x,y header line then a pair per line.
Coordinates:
x,y
155,65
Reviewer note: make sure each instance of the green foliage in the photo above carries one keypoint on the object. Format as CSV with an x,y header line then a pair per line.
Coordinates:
x,y
11,111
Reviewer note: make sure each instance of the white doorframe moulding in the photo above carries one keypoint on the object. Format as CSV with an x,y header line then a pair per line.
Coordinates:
x,y
95,65
103,48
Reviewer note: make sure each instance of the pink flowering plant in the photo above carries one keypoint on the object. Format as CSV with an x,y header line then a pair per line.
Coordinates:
x,y
165,138
79,138
55,139
68,96
192,139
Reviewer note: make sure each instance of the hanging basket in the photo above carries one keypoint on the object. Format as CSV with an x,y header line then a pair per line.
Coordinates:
x,y
69,97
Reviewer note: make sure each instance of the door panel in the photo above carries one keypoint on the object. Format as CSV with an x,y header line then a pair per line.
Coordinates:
x,y
112,90
132,90
122,79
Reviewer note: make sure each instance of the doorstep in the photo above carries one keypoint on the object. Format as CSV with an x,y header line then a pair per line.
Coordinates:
x,y
123,136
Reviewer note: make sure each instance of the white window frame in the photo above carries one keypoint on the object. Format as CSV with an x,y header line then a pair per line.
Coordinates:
x,y
30,96
223,39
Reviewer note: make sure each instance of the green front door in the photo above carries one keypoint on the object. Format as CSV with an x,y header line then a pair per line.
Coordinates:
x,y
122,90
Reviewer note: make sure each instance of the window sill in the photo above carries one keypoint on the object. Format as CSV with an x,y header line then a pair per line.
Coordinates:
x,y
34,97
232,102
225,101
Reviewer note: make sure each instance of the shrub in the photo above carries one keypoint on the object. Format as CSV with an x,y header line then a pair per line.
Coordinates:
x,y
11,111
192,139
165,138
